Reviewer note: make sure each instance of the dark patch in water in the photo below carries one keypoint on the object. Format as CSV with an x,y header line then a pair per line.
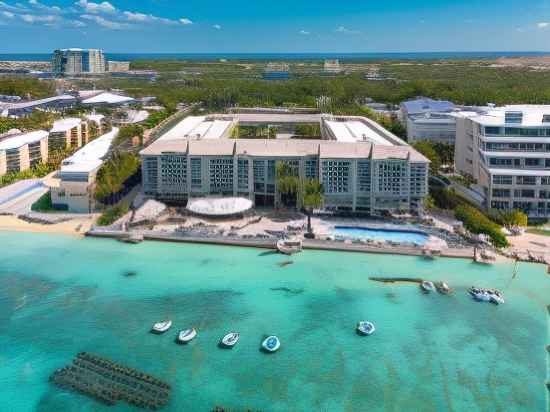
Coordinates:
x,y
268,253
288,290
390,295
130,274
285,263
206,261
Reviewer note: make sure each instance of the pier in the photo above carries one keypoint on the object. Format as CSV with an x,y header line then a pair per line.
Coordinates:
x,y
109,382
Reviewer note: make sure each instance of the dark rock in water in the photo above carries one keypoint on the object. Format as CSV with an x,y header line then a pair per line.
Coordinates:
x,y
391,295
288,290
130,274
285,263
548,348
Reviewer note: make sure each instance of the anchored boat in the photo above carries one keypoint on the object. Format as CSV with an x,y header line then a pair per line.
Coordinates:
x,y
427,286
289,246
161,327
230,339
365,327
486,295
271,344
187,335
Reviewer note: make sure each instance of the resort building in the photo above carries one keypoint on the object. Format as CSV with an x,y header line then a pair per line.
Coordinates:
x,y
74,188
50,104
506,150
363,167
21,152
72,62
428,119
66,133
332,66
118,67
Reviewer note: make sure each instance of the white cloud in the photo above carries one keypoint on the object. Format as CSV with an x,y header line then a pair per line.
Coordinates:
x,y
217,26
543,24
35,4
31,18
147,18
8,14
103,7
305,33
342,29
103,22
185,21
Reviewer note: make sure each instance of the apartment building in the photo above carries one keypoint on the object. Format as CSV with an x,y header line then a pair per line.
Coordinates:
x,y
71,62
74,188
23,151
428,119
507,151
67,133
362,166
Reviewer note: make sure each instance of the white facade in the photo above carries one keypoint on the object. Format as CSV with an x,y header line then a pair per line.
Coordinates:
x,y
507,151
435,127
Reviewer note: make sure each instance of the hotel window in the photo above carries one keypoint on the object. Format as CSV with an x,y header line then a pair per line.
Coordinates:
x,y
545,181
500,205
502,180
271,170
530,162
242,166
196,173
259,170
489,130
363,176
312,169
524,193
392,177
526,180
336,176
497,161
501,192
221,175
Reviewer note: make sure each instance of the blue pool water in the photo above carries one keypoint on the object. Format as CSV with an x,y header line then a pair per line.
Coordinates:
x,y
400,236
60,295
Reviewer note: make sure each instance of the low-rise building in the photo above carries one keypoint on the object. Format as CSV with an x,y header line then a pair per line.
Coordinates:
x,y
506,150
21,152
428,119
67,133
118,67
53,104
75,185
363,167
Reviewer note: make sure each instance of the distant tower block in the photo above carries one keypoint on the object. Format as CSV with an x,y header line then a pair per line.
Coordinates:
x,y
332,66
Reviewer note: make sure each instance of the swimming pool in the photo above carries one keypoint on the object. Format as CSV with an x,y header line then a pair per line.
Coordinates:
x,y
382,234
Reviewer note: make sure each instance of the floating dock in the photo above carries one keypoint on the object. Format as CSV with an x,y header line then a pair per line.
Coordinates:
x,y
110,382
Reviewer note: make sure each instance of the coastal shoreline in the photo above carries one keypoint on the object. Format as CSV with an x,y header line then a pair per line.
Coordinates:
x,y
74,227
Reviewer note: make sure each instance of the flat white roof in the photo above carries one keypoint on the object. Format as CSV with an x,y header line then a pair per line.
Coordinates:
x,y
90,156
495,116
97,118
107,98
65,124
197,127
217,129
23,139
355,131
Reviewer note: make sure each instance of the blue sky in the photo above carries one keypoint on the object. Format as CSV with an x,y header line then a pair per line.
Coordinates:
x,y
196,26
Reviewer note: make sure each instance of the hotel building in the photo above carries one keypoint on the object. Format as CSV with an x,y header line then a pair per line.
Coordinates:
x,y
506,150
67,133
363,167
71,62
21,152
428,119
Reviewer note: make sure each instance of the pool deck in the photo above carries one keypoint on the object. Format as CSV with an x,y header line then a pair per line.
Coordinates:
x,y
308,244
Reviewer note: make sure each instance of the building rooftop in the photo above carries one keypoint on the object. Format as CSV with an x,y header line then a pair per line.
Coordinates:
x,y
423,105
64,125
108,98
531,115
96,118
23,139
89,157
33,103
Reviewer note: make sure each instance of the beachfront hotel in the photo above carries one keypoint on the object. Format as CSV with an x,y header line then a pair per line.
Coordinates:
x,y
363,167
67,133
22,151
506,150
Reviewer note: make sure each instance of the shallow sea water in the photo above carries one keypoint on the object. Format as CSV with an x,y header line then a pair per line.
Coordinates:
x,y
60,295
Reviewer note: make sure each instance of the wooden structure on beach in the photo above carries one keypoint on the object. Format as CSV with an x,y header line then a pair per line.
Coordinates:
x,y
110,382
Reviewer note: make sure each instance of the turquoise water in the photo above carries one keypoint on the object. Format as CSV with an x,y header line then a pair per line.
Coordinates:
x,y
400,236
60,295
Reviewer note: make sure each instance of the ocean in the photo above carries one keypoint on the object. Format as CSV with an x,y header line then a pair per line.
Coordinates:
x,y
60,295
344,57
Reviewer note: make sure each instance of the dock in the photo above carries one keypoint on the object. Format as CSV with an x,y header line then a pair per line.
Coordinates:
x,y
109,382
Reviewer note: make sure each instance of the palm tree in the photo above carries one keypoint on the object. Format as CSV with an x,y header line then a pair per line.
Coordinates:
x,y
312,198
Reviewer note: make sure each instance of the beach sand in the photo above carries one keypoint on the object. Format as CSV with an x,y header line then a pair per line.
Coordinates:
x,y
75,227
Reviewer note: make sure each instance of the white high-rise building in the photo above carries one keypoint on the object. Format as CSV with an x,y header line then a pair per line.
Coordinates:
x,y
506,150
70,62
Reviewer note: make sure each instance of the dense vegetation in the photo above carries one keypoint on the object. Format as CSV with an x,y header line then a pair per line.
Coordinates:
x,y
477,222
35,121
112,214
44,204
26,87
114,173
126,133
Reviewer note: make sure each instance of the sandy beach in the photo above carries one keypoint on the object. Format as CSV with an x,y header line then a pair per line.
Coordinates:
x,y
74,227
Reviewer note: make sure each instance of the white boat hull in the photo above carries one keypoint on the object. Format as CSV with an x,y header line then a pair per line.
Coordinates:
x,y
365,328
187,335
271,344
161,327
230,339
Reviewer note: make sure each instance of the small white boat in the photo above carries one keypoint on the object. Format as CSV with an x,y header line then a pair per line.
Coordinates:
x,y
365,328
271,344
289,246
427,286
187,335
487,295
231,339
161,327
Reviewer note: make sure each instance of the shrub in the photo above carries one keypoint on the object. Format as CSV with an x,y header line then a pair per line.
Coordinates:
x,y
44,204
509,218
477,222
112,214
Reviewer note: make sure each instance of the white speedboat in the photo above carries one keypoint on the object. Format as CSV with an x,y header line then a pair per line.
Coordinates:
x,y
365,328
487,295
427,286
271,344
187,335
161,327
231,339
289,246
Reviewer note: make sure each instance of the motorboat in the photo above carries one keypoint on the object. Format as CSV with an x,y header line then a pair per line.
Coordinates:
x,y
486,295
187,335
427,286
289,246
230,339
271,344
443,288
161,327
365,328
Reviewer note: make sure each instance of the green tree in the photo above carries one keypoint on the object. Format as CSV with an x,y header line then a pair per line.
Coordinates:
x,y
287,182
428,150
312,198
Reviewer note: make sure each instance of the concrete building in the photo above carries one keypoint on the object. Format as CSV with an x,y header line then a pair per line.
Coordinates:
x,y
428,119
118,67
276,71
363,167
506,150
67,133
74,188
73,62
332,66
52,104
21,152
